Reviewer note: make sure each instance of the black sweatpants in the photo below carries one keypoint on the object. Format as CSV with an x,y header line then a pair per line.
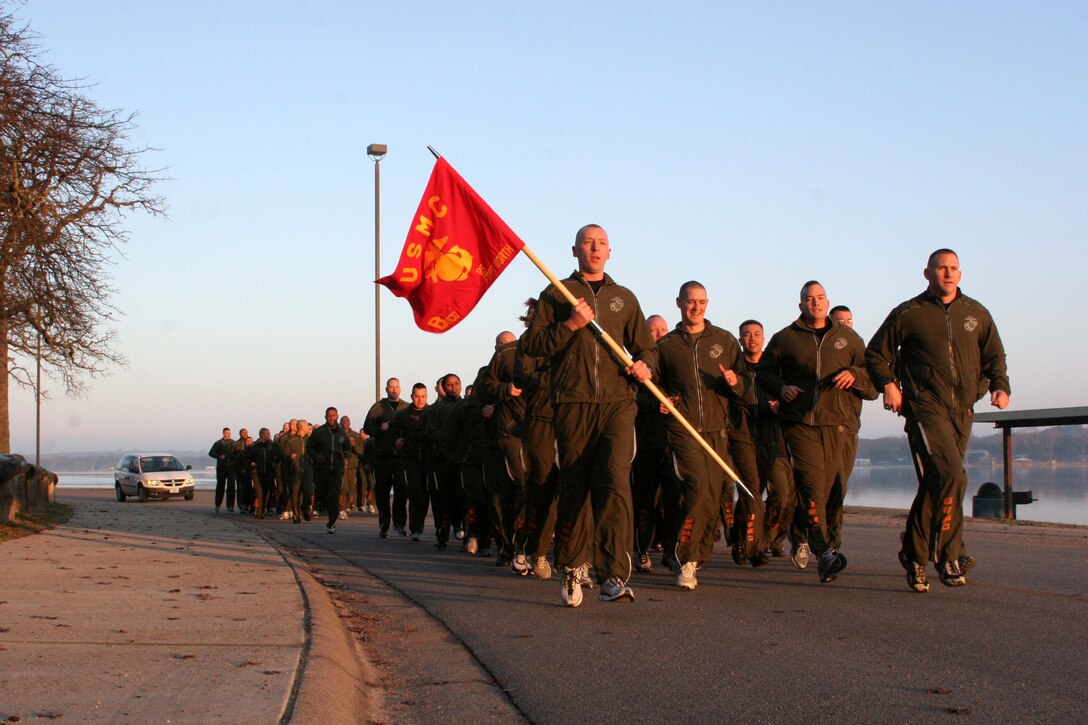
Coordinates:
x,y
595,518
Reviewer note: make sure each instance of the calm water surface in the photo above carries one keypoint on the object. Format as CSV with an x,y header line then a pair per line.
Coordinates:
x,y
1062,492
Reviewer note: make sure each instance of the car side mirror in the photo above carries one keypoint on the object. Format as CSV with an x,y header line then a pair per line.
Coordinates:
x,y
188,468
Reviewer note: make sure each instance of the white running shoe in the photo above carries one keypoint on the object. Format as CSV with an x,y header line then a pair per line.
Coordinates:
x,y
520,565
472,545
343,516
571,594
584,576
799,555
614,590
685,578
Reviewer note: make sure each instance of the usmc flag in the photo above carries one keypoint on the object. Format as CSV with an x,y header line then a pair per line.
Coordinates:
x,y
456,247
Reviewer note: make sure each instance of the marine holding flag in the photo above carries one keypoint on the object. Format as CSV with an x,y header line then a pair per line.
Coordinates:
x,y
594,417
456,247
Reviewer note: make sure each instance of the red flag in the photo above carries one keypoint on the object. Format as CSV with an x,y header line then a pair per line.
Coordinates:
x,y
456,247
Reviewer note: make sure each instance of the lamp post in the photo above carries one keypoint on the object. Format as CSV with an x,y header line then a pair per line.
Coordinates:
x,y
377,151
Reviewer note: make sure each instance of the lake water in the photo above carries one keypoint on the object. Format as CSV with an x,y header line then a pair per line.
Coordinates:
x,y
1062,492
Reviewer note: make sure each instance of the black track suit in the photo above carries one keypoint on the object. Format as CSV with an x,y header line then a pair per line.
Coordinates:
x,y
817,423
944,357
223,453
504,467
594,420
410,425
261,458
689,370
326,449
385,468
538,450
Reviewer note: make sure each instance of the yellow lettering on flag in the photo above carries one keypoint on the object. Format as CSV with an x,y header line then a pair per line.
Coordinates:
x,y
408,275
425,226
435,204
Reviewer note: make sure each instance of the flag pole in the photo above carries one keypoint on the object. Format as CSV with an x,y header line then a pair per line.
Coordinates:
x,y
624,358
628,362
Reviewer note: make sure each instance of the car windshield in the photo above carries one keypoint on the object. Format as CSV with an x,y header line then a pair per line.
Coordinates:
x,y
158,464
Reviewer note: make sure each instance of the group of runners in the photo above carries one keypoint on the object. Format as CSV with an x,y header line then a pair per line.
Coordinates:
x,y
573,460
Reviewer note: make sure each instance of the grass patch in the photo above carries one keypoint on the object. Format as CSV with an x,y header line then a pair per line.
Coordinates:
x,y
26,524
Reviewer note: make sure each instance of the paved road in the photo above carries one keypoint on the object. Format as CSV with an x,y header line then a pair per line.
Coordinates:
x,y
449,636
769,645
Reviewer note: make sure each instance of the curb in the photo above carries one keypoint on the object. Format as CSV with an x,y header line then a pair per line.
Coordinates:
x,y
335,682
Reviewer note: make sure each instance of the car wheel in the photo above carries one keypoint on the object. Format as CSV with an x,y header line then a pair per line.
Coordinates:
x,y
120,494
189,496
141,492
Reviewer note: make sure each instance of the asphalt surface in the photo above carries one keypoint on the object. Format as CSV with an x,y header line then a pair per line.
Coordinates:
x,y
166,612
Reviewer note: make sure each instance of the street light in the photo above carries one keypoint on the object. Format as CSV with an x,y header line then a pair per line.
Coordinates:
x,y
377,151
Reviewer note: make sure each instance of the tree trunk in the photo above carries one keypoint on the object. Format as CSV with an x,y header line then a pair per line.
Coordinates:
x,y
5,386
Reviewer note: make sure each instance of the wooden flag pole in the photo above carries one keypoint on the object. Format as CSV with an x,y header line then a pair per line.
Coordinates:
x,y
628,362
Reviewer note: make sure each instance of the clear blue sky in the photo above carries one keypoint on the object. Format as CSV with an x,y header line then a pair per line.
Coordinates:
x,y
751,146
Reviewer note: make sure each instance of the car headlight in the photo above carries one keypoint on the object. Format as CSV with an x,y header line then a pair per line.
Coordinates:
x,y
151,482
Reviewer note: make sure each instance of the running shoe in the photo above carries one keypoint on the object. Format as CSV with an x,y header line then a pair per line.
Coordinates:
x,y
417,537
484,553
400,530
916,577
472,545
668,561
383,532
951,575
440,545
459,534
343,516
740,556
759,559
330,528
520,565
571,593
644,563
967,563
614,590
685,578
799,555
584,576
541,568
831,563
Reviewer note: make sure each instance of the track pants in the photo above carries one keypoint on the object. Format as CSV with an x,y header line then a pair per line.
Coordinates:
x,y
595,518
541,486
938,444
700,486
816,453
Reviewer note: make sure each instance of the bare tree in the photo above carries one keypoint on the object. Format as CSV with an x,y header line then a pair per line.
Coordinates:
x,y
68,178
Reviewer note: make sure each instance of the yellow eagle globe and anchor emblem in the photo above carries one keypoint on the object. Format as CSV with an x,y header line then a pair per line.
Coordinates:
x,y
448,265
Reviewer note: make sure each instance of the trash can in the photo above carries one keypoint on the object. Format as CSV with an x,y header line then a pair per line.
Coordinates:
x,y
989,502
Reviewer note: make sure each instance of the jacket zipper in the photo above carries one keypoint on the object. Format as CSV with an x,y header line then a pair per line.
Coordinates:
x,y
596,350
698,382
816,394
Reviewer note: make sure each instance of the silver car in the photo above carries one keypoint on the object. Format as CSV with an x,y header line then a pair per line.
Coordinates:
x,y
152,475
